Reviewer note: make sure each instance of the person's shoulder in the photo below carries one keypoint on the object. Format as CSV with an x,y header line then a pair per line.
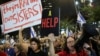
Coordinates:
x,y
43,53
62,53
3,54
83,52
30,50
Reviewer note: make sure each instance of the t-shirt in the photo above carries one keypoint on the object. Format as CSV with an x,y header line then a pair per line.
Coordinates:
x,y
10,52
64,53
40,53
3,54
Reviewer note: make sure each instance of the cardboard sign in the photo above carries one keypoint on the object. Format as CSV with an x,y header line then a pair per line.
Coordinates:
x,y
19,13
50,22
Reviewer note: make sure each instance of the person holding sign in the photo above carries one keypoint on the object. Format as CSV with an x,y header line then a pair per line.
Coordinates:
x,y
33,48
69,49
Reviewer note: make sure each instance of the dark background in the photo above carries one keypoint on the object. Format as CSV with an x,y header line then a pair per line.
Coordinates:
x,y
67,8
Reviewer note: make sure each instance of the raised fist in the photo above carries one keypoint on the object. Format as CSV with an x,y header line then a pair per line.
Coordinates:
x,y
51,37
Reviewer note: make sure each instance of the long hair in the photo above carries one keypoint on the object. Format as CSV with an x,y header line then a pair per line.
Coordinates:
x,y
78,49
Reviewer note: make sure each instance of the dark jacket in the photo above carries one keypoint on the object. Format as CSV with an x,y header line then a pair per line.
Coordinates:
x,y
10,52
32,53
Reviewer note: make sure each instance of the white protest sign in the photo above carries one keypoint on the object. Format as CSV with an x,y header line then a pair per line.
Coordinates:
x,y
19,13
2,29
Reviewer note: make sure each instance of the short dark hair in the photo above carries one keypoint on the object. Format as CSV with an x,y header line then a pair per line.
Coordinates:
x,y
37,41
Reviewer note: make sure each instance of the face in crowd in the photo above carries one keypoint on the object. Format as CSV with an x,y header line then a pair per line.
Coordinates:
x,y
35,44
17,48
70,43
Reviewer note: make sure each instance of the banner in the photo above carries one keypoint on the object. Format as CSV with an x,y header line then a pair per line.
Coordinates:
x,y
50,22
2,29
32,32
19,13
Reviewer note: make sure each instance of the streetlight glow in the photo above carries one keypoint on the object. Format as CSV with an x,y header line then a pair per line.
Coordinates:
x,y
76,2
91,1
83,1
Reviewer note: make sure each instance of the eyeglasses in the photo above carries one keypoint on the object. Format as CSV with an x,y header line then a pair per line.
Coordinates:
x,y
70,42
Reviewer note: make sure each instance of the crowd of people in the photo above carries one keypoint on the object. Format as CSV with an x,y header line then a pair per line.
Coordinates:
x,y
50,46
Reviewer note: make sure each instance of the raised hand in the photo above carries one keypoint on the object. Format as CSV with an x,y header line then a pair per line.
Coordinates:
x,y
51,37
20,35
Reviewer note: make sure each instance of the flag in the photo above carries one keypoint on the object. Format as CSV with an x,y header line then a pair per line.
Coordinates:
x,y
70,33
80,19
67,32
32,32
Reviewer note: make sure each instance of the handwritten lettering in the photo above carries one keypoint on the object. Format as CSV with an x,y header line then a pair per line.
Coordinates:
x,y
20,4
18,13
33,1
24,14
